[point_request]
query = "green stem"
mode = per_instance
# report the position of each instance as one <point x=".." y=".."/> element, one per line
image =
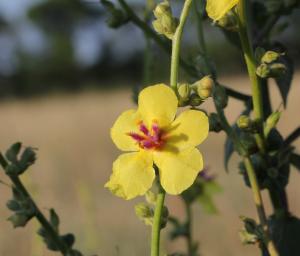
<point x="259" y="205"/>
<point x="164" y="45"/>
<point x="38" y="214"/>
<point x="176" y="43"/>
<point x="251" y="66"/>
<point x="156" y="227"/>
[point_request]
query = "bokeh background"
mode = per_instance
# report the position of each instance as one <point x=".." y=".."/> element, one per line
<point x="64" y="78"/>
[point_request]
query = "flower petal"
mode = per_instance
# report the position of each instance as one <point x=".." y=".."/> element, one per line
<point x="178" y="171"/>
<point x="189" y="129"/>
<point x="133" y="175"/>
<point x="126" y="123"/>
<point x="158" y="103"/>
<point x="216" y="9"/>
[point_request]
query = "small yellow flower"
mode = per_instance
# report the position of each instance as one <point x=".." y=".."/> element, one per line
<point x="152" y="135"/>
<point x="216" y="9"/>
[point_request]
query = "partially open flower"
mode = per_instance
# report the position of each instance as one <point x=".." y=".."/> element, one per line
<point x="152" y="135"/>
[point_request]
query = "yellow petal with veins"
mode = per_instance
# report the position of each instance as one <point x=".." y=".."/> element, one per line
<point x="157" y="103"/>
<point x="216" y="9"/>
<point x="178" y="171"/>
<point x="188" y="130"/>
<point x="133" y="175"/>
<point x="127" y="122"/>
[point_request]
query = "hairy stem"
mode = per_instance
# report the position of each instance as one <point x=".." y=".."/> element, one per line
<point x="156" y="227"/>
<point x="38" y="214"/>
<point x="176" y="43"/>
<point x="259" y="205"/>
<point x="251" y="66"/>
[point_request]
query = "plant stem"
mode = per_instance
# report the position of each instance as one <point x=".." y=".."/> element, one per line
<point x="176" y="43"/>
<point x="38" y="214"/>
<point x="156" y="227"/>
<point x="164" y="45"/>
<point x="259" y="205"/>
<point x="251" y="66"/>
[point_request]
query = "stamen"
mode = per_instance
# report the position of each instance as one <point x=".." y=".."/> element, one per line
<point x="149" y="139"/>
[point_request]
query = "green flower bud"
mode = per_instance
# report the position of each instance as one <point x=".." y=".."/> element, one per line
<point x="117" y="18"/>
<point x="277" y="69"/>
<point x="263" y="70"/>
<point x="270" y="56"/>
<point x="165" y="24"/>
<point x="19" y="220"/>
<point x="229" y="22"/>
<point x="204" y="87"/>
<point x="162" y="9"/>
<point x="271" y="122"/>
<point x="151" y="197"/>
<point x="184" y="91"/>
<point x="220" y="97"/>
<point x="244" y="122"/>
<point x="195" y="100"/>
<point x="142" y="210"/>
<point x="214" y="123"/>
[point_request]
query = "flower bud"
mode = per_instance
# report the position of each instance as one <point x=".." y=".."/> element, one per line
<point x="263" y="70"/>
<point x="165" y="24"/>
<point x="195" y="100"/>
<point x="270" y="56"/>
<point x="229" y="22"/>
<point x="117" y="18"/>
<point x="244" y="122"/>
<point x="184" y="92"/>
<point x="151" y="197"/>
<point x="204" y="87"/>
<point x="142" y="210"/>
<point x="271" y="122"/>
<point x="277" y="69"/>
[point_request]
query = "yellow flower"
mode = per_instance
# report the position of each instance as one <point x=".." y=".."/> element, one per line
<point x="152" y="135"/>
<point x="216" y="9"/>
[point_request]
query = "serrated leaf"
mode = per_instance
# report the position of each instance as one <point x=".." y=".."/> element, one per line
<point x="284" y="82"/>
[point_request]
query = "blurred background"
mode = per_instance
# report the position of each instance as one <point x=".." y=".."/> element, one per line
<point x="64" y="78"/>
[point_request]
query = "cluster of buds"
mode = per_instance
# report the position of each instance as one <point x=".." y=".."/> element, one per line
<point x="164" y="24"/>
<point x="145" y="211"/>
<point x="270" y="65"/>
<point x="195" y="94"/>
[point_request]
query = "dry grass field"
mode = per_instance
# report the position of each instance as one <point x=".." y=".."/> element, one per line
<point x="74" y="161"/>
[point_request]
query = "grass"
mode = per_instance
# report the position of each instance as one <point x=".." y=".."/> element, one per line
<point x="74" y="161"/>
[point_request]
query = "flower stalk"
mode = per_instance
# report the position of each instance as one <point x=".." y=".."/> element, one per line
<point x="256" y="86"/>
<point x="156" y="227"/>
<point x="176" y="43"/>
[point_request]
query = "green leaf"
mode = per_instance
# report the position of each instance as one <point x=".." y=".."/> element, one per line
<point x="12" y="153"/>
<point x="69" y="239"/>
<point x="286" y="234"/>
<point x="284" y="82"/>
<point x="295" y="160"/>
<point x="54" y="219"/>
